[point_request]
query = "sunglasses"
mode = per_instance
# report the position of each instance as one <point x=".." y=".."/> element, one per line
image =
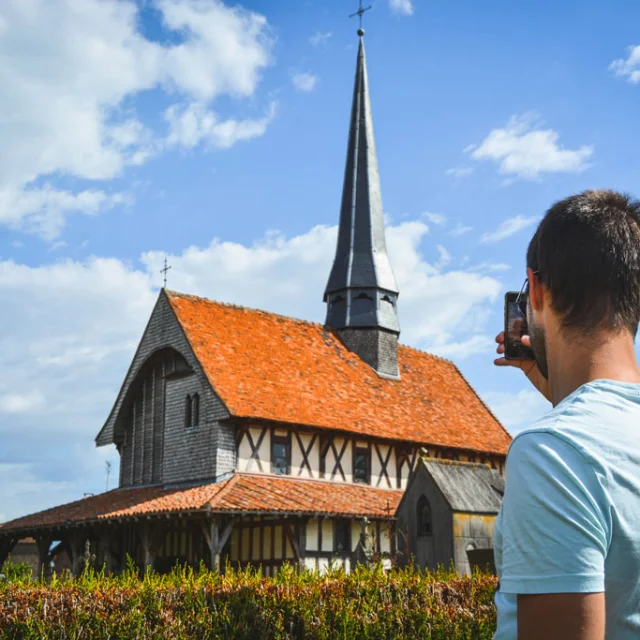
<point x="524" y="292"/>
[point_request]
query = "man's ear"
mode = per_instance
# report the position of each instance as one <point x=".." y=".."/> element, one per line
<point x="536" y="295"/>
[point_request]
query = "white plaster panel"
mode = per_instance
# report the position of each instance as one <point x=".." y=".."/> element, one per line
<point x="311" y="564"/>
<point x="234" y="545"/>
<point x="266" y="544"/>
<point x="278" y="542"/>
<point x="255" y="547"/>
<point x="312" y="535"/>
<point x="327" y="535"/>
<point x="385" y="541"/>
<point x="323" y="565"/>
<point x="356" y="529"/>
<point x="245" y="545"/>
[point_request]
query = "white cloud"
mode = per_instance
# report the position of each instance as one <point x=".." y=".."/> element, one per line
<point x="459" y="172"/>
<point x="402" y="7"/>
<point x="517" y="410"/>
<point x="304" y="81"/>
<point x="69" y="67"/>
<point x="465" y="348"/>
<point x="444" y="258"/>
<point x="43" y="210"/>
<point x="69" y="329"/>
<point x="459" y="230"/>
<point x="507" y="228"/>
<point x="20" y="402"/>
<point x="194" y="123"/>
<point x="523" y="149"/>
<point x="491" y="267"/>
<point x="437" y="218"/>
<point x="320" y="38"/>
<point x="628" y="68"/>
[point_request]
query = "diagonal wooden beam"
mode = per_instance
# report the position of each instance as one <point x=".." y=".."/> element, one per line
<point x="305" y="451"/>
<point x="338" y="456"/>
<point x="384" y="463"/>
<point x="255" y="448"/>
<point x="6" y="547"/>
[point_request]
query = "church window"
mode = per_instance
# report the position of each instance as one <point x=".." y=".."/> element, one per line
<point x="424" y="517"/>
<point x="195" y="410"/>
<point x="280" y="453"/>
<point x="362" y="465"/>
<point x="341" y="536"/>
<point x="188" y="408"/>
<point x="192" y="410"/>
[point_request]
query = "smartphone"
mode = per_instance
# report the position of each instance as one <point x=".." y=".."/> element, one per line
<point x="515" y="326"/>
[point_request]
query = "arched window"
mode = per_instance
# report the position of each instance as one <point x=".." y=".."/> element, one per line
<point x="188" y="408"/>
<point x="195" y="410"/>
<point x="424" y="517"/>
<point x="192" y="410"/>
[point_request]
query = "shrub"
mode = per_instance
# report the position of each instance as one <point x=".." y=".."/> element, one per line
<point x="15" y="571"/>
<point x="367" y="604"/>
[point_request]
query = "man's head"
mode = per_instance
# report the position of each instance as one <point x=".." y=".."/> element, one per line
<point x="585" y="255"/>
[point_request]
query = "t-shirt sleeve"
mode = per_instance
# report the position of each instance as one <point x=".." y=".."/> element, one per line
<point x="554" y="520"/>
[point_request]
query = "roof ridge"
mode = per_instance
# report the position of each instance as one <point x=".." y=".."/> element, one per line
<point x="240" y="307"/>
<point x="457" y="463"/>
<point x="228" y="484"/>
<point x="425" y="353"/>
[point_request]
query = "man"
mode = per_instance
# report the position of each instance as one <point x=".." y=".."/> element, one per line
<point x="567" y="541"/>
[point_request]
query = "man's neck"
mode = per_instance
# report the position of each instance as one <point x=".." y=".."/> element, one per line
<point x="582" y="359"/>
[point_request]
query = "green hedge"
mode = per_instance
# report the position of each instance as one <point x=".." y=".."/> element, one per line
<point x="366" y="604"/>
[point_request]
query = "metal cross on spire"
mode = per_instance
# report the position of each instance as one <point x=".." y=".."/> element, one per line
<point x="166" y="268"/>
<point x="360" y="12"/>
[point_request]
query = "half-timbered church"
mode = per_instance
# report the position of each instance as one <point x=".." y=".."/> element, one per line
<point x="247" y="437"/>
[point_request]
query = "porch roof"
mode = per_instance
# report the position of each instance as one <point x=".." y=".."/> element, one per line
<point x="242" y="493"/>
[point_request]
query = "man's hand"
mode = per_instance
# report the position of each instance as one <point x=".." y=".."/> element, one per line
<point x="529" y="367"/>
<point x="561" y="616"/>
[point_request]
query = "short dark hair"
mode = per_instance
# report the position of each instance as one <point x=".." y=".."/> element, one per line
<point x="586" y="251"/>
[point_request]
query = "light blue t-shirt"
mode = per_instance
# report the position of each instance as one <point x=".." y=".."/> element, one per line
<point x="570" y="517"/>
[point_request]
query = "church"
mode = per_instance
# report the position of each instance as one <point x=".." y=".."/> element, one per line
<point x="249" y="438"/>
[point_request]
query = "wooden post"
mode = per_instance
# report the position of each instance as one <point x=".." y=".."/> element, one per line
<point x="105" y="542"/>
<point x="152" y="538"/>
<point x="75" y="543"/>
<point x="43" y="543"/>
<point x="6" y="547"/>
<point x="216" y="538"/>
<point x="297" y="533"/>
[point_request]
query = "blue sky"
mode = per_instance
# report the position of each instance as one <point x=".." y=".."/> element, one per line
<point x="215" y="134"/>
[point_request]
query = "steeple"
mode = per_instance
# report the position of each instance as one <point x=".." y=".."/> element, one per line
<point x="362" y="292"/>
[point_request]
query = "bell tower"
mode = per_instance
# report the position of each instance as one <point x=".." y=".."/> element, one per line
<point x="362" y="293"/>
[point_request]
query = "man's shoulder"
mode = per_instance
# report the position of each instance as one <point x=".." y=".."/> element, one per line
<point x="594" y="421"/>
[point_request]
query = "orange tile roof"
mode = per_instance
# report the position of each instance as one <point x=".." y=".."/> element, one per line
<point x="276" y="368"/>
<point x="245" y="493"/>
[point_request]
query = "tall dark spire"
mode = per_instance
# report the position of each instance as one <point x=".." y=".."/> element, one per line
<point x="362" y="292"/>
